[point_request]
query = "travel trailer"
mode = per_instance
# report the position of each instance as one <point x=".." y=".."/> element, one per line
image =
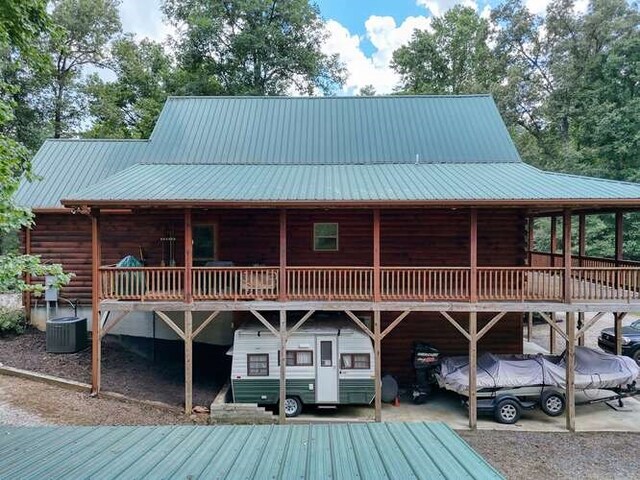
<point x="328" y="363"/>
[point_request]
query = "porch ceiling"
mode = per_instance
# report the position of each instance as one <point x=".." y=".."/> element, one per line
<point x="420" y="183"/>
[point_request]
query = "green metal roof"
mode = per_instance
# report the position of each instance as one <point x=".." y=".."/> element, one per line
<point x="64" y="166"/>
<point x="346" y="183"/>
<point x="366" y="451"/>
<point x="330" y="130"/>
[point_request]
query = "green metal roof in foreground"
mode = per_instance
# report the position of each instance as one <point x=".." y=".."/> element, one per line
<point x="330" y="130"/>
<point x="366" y="451"/>
<point x="347" y="183"/>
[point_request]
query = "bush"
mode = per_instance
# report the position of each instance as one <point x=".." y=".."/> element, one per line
<point x="12" y="320"/>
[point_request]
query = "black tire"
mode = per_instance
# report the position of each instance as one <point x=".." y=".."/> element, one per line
<point x="292" y="406"/>
<point x="636" y="356"/>
<point x="552" y="403"/>
<point x="507" y="411"/>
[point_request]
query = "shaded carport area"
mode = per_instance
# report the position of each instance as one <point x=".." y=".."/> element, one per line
<point x="371" y="451"/>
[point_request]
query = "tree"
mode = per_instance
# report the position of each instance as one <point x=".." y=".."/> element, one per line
<point x="367" y="91"/>
<point x="129" y="106"/>
<point x="252" y="47"/>
<point x="454" y="58"/>
<point x="83" y="30"/>
<point x="20" y="24"/>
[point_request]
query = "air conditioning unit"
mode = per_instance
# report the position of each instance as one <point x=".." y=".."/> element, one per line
<point x="66" y="334"/>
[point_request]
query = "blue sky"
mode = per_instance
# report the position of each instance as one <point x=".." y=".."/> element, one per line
<point x="364" y="33"/>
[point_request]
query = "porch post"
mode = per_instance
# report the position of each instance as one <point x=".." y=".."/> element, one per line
<point x="96" y="334"/>
<point x="566" y="253"/>
<point x="619" y="238"/>
<point x="376" y="255"/>
<point x="188" y="257"/>
<point x="282" y="417"/>
<point x="552" y="333"/>
<point x="377" y="343"/>
<point x="283" y="256"/>
<point x="530" y="242"/>
<point x="582" y="236"/>
<point x="473" y="254"/>
<point x="473" y="365"/>
<point x="618" y="332"/>
<point x="554" y="240"/>
<point x="570" y="392"/>
<point x="27" y="278"/>
<point x="188" y="362"/>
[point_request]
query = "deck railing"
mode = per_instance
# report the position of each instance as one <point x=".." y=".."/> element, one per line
<point x="329" y="283"/>
<point x="421" y="284"/>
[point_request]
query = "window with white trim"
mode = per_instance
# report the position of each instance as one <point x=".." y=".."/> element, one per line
<point x="325" y="237"/>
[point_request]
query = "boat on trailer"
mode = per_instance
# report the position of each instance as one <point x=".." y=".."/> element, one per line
<point x="509" y="384"/>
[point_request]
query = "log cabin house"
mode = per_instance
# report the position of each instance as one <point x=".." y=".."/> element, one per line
<point x="411" y="215"/>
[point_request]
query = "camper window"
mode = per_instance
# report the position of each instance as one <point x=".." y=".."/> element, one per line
<point x="298" y="358"/>
<point x="357" y="361"/>
<point x="257" y="365"/>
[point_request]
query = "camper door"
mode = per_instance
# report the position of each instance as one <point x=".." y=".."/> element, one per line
<point x="327" y="369"/>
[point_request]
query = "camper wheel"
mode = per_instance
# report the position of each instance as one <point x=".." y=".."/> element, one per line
<point x="292" y="406"/>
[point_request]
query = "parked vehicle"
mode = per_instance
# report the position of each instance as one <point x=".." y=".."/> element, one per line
<point x="630" y="340"/>
<point x="426" y="360"/>
<point x="327" y="364"/>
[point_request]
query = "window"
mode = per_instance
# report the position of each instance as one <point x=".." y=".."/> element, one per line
<point x="298" y="358"/>
<point x="326" y="353"/>
<point x="355" y="361"/>
<point x="325" y="237"/>
<point x="204" y="244"/>
<point x="257" y="364"/>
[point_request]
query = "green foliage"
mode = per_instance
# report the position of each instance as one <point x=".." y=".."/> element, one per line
<point x="21" y="23"/>
<point x="129" y="106"/>
<point x="453" y="59"/>
<point x="252" y="47"/>
<point x="81" y="37"/>
<point x="12" y="320"/>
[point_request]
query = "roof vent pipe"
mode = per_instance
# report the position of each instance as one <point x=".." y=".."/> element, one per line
<point x="417" y="158"/>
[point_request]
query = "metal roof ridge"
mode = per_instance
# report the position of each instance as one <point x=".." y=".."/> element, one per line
<point x="329" y="164"/>
<point x="329" y="97"/>
<point x="89" y="140"/>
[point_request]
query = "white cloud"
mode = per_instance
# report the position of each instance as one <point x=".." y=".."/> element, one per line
<point x="386" y="36"/>
<point x="144" y="18"/>
<point x="438" y="7"/>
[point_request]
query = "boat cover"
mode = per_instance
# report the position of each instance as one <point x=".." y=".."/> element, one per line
<point x="594" y="370"/>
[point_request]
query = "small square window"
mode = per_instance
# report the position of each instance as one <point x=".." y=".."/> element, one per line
<point x="355" y="361"/>
<point x="325" y="237"/>
<point x="257" y="365"/>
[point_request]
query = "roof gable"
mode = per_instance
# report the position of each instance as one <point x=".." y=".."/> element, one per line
<point x="330" y="130"/>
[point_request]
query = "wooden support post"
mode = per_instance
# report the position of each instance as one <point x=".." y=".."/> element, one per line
<point x="570" y="393"/>
<point x="283" y="366"/>
<point x="377" y="345"/>
<point x="554" y="240"/>
<point x="473" y="254"/>
<point x="552" y="333"/>
<point x="188" y="257"/>
<point x="376" y="255"/>
<point x="26" y="298"/>
<point x="579" y="327"/>
<point x="188" y="362"/>
<point x="529" y="326"/>
<point x="619" y="251"/>
<point x="582" y="238"/>
<point x="473" y="363"/>
<point x="566" y="254"/>
<point x="530" y="242"/>
<point x="96" y="330"/>
<point x="283" y="256"/>
<point x="618" y="332"/>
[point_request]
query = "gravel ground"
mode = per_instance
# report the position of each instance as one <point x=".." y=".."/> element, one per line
<point x="525" y="455"/>
<point x="25" y="402"/>
<point x="124" y="371"/>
